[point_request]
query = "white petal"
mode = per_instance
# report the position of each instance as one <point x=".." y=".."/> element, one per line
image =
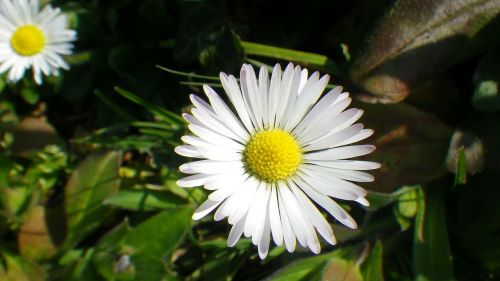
<point x="205" y="208"/>
<point x="233" y="91"/>
<point x="317" y="219"/>
<point x="225" y="114"/>
<point x="329" y="205"/>
<point x="235" y="233"/>
<point x="274" y="218"/>
<point x="340" y="153"/>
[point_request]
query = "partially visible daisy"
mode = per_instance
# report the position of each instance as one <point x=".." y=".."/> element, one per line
<point x="275" y="155"/>
<point x="30" y="38"/>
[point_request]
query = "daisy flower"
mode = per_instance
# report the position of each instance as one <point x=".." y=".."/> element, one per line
<point x="30" y="38"/>
<point x="274" y="155"/>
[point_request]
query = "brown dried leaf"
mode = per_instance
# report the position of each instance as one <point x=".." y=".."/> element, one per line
<point x="417" y="40"/>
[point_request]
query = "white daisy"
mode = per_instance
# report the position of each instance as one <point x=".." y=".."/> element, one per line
<point x="276" y="157"/>
<point x="32" y="38"/>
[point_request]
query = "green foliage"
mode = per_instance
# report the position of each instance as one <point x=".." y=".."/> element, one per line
<point x="88" y="175"/>
<point x="95" y="179"/>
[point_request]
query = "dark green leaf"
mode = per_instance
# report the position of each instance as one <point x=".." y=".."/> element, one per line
<point x="171" y="118"/>
<point x="95" y="179"/>
<point x="432" y="258"/>
<point x="200" y="22"/>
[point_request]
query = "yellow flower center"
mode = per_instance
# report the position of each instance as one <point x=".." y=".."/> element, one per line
<point x="27" y="40"/>
<point x="272" y="155"/>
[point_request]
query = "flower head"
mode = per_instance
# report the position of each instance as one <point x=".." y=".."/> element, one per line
<point x="30" y="38"/>
<point x="276" y="155"/>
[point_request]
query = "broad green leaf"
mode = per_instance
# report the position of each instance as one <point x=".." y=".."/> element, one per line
<point x="417" y="40"/>
<point x="411" y="145"/>
<point x="160" y="234"/>
<point x="155" y="238"/>
<point x="487" y="83"/>
<point x="372" y="268"/>
<point x="41" y="234"/>
<point x="95" y="179"/>
<point x="144" y="200"/>
<point x="432" y="258"/>
<point x="148" y="268"/>
<point x="108" y="248"/>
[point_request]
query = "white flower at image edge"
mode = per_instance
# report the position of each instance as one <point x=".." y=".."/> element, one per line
<point x="276" y="157"/>
<point x="30" y="38"/>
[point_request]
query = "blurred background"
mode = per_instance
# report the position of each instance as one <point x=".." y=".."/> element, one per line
<point x="87" y="169"/>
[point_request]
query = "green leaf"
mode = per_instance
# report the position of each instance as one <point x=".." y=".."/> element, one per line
<point x="124" y="250"/>
<point x="371" y="268"/>
<point x="319" y="61"/>
<point x="171" y="118"/>
<point x="95" y="179"/>
<point x="461" y="171"/>
<point x="160" y="234"/>
<point x="432" y="258"/>
<point x="144" y="200"/>
<point x="487" y="83"/>
<point x="416" y="41"/>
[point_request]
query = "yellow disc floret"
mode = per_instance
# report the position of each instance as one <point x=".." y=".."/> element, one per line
<point x="27" y="40"/>
<point x="272" y="155"/>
